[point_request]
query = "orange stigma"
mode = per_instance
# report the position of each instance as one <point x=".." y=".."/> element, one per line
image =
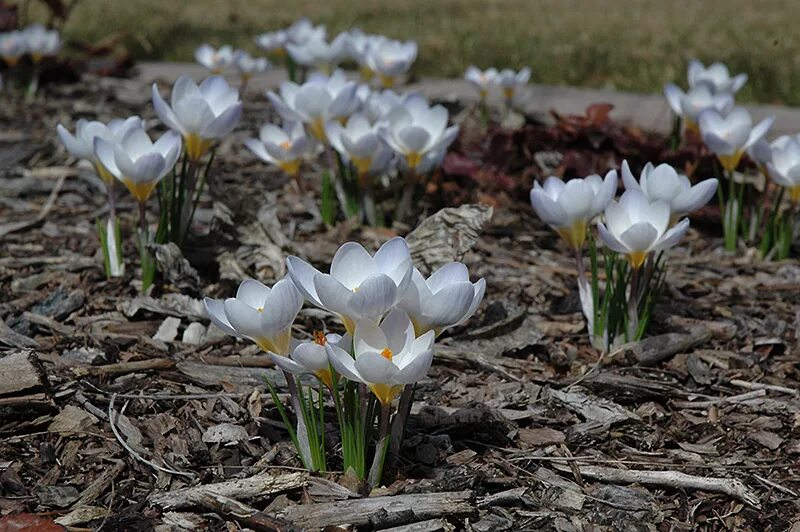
<point x="319" y="338"/>
<point x="387" y="353"/>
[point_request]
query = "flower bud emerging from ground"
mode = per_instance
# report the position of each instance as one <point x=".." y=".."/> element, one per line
<point x="716" y="75"/>
<point x="215" y="60"/>
<point x="663" y="183"/>
<point x="201" y="114"/>
<point x="445" y="299"/>
<point x="81" y="145"/>
<point x="360" y="286"/>
<point x="137" y="161"/>
<point x="261" y="314"/>
<point x="386" y="356"/>
<point x="730" y="136"/>
<point x="570" y="207"/>
<point x="416" y="129"/>
<point x="635" y="226"/>
<point x="390" y="60"/>
<point x="482" y="80"/>
<point x="688" y="105"/>
<point x="784" y="166"/>
<point x="312" y="357"/>
<point x="284" y="147"/>
<point x="360" y="142"/>
<point x="317" y="101"/>
<point x="511" y="82"/>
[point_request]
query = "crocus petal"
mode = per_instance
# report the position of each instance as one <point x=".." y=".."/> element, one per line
<point x="375" y="369"/>
<point x="215" y="310"/>
<point x="343" y="363"/>
<point x="374" y="297"/>
<point x="287" y="364"/>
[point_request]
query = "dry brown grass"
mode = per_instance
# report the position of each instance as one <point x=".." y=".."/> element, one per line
<point x="626" y="44"/>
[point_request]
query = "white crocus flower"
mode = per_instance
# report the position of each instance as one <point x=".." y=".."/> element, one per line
<point x="717" y="75"/>
<point x="284" y="147"/>
<point x="81" y="145"/>
<point x="360" y="143"/>
<point x="359" y="286"/>
<point x="247" y="65"/>
<point x="482" y="80"/>
<point x="390" y="59"/>
<point x="273" y="41"/>
<point x="730" y="136"/>
<point x="570" y="207"/>
<point x="663" y="183"/>
<point x="358" y="45"/>
<point x="318" y="53"/>
<point x="784" y="166"/>
<point x="635" y="227"/>
<point x="312" y="357"/>
<point x="510" y="82"/>
<point x="201" y="114"/>
<point x="387" y="356"/>
<point x="303" y="31"/>
<point x="415" y="129"/>
<point x="379" y="104"/>
<point x="261" y="314"/>
<point x="137" y="161"/>
<point x="215" y="60"/>
<point x="317" y="101"/>
<point x="41" y="42"/>
<point x="13" y="45"/>
<point x="445" y="299"/>
<point x="697" y="99"/>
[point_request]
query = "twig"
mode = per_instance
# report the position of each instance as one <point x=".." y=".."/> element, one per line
<point x="775" y="485"/>
<point x="121" y="440"/>
<point x="713" y="402"/>
<point x="245" y="515"/>
<point x="764" y="386"/>
<point x="123" y="368"/>
<point x="673" y="479"/>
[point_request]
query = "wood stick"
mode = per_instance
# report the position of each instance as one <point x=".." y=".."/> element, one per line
<point x="258" y="486"/>
<point x="245" y="515"/>
<point x="123" y="368"/>
<point x="673" y="479"/>
<point x="382" y="512"/>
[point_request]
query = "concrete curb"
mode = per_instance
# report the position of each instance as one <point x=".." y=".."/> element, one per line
<point x="648" y="111"/>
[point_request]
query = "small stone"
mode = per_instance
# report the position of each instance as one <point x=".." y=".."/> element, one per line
<point x="168" y="330"/>
<point x="86" y="355"/>
<point x="225" y="433"/>
<point x="72" y="419"/>
<point x="194" y="334"/>
<point x="57" y="496"/>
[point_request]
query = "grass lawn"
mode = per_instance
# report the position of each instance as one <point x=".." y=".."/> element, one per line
<point x="626" y="44"/>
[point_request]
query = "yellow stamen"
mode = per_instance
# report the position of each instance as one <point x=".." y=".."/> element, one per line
<point x="729" y="162"/>
<point x="104" y="174"/>
<point x="349" y="324"/>
<point x="216" y="70"/>
<point x="508" y="92"/>
<point x="140" y="191"/>
<point x="11" y="60"/>
<point x="691" y="125"/>
<point x="260" y="309"/>
<point x="413" y="159"/>
<point x="574" y="235"/>
<point x="362" y="164"/>
<point x="483" y="93"/>
<point x="278" y="345"/>
<point x="636" y="259"/>
<point x="794" y="194"/>
<point x="387" y="354"/>
<point x="290" y="167"/>
<point x="387" y="82"/>
<point x="196" y="147"/>
<point x="366" y="73"/>
<point x="325" y="376"/>
<point x="386" y="392"/>
<point x="317" y="127"/>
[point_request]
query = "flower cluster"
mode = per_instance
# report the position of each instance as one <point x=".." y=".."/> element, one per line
<point x="122" y="151"/>
<point x="391" y="314"/>
<point x="648" y="219"/>
<point x="219" y="60"/>
<point x="35" y="41"/>
<point x="509" y="83"/>
<point x="379" y="58"/>
<point x="372" y="134"/>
